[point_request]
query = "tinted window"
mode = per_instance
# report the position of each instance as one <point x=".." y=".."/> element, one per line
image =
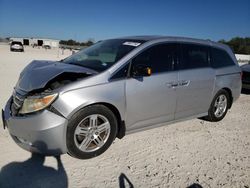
<point x="194" y="56"/>
<point x="220" y="58"/>
<point x="122" y="73"/>
<point x="160" y="58"/>
<point x="15" y="42"/>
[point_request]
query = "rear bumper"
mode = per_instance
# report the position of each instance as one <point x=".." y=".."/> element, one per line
<point x="17" y="49"/>
<point x="43" y="132"/>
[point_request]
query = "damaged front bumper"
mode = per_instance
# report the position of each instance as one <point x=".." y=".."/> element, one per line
<point x="43" y="132"/>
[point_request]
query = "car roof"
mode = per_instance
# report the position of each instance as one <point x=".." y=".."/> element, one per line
<point x="18" y="42"/>
<point x="142" y="37"/>
<point x="175" y="39"/>
<point x="246" y="67"/>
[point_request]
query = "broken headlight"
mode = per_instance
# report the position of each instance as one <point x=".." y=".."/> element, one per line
<point x="34" y="104"/>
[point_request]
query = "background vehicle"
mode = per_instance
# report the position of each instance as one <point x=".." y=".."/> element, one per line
<point x="117" y="87"/>
<point x="46" y="46"/>
<point x="245" y="76"/>
<point x="16" y="46"/>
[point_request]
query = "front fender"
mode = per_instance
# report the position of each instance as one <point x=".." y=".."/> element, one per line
<point x="69" y="102"/>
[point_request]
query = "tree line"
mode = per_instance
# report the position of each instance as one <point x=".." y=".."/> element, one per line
<point x="75" y="43"/>
<point x="239" y="45"/>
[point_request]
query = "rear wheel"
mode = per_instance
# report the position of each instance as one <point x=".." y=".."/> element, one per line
<point x="219" y="106"/>
<point x="91" y="131"/>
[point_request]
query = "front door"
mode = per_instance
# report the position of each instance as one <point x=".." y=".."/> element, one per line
<point x="152" y="100"/>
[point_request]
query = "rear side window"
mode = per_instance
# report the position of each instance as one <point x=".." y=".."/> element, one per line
<point x="160" y="57"/>
<point x="220" y="58"/>
<point x="194" y="56"/>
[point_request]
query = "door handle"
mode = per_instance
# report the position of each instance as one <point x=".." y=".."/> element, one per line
<point x="172" y="84"/>
<point x="184" y="83"/>
<point x="176" y="84"/>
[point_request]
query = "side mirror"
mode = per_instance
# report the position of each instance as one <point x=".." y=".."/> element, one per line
<point x="141" y="70"/>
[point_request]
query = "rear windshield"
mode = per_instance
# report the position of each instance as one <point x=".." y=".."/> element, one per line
<point x="15" y="42"/>
<point x="104" y="54"/>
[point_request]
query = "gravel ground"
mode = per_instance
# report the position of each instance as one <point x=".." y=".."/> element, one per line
<point x="193" y="153"/>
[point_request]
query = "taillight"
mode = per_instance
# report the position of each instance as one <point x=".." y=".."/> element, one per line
<point x="241" y="75"/>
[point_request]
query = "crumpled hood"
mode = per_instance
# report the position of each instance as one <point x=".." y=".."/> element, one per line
<point x="37" y="74"/>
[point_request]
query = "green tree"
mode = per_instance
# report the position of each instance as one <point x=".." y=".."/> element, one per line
<point x="238" y="45"/>
<point x="72" y="42"/>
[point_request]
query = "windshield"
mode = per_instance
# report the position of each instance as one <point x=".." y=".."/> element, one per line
<point x="104" y="54"/>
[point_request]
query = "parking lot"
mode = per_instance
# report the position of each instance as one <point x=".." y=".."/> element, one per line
<point x="184" y="154"/>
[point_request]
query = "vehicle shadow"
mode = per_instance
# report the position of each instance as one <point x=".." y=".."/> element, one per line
<point x="32" y="173"/>
<point x="245" y="91"/>
<point x="195" y="185"/>
<point x="124" y="182"/>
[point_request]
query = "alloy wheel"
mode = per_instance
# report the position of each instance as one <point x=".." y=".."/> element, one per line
<point x="220" y="105"/>
<point x="92" y="133"/>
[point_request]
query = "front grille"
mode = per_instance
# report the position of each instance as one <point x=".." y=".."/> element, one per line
<point x="17" y="102"/>
<point x="246" y="76"/>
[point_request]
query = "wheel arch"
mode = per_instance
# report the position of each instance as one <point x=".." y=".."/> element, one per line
<point x="121" y="123"/>
<point x="230" y="95"/>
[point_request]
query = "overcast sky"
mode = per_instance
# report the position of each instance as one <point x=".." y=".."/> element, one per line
<point x="98" y="19"/>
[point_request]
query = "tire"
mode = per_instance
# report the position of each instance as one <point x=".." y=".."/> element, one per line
<point x="91" y="131"/>
<point x="219" y="106"/>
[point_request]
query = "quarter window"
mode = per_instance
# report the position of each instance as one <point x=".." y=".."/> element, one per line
<point x="220" y="58"/>
<point x="194" y="56"/>
<point x="122" y="73"/>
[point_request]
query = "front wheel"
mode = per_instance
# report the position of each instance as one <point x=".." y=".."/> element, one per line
<point x="91" y="131"/>
<point x="219" y="106"/>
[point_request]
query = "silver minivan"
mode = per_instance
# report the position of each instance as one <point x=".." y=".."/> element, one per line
<point x="116" y="87"/>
